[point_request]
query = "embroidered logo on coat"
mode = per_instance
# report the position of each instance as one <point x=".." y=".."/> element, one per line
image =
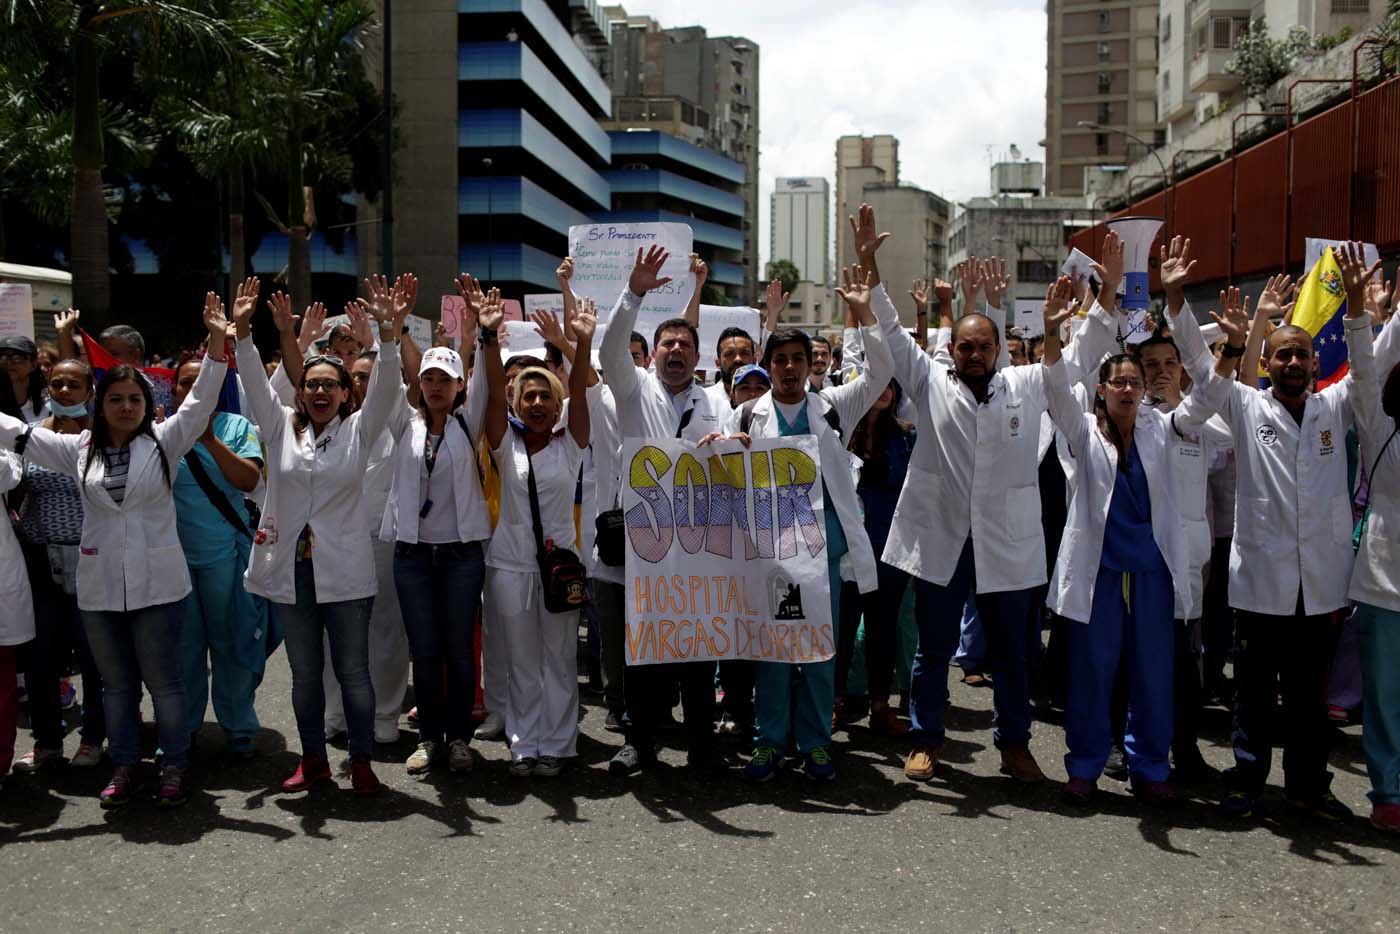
<point x="1266" y="434"/>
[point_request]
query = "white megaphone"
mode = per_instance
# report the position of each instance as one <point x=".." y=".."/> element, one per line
<point x="1137" y="234"/>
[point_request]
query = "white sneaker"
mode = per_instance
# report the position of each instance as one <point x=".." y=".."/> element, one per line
<point x="36" y="758"/>
<point x="625" y="761"/>
<point x="87" y="755"/>
<point x="548" y="767"/>
<point x="422" y="758"/>
<point x="492" y="727"/>
<point x="459" y="756"/>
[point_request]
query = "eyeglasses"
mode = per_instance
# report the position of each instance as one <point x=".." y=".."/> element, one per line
<point x="322" y="385"/>
<point x="1125" y="382"/>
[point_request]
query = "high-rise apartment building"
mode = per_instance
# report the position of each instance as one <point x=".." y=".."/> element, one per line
<point x="702" y="90"/>
<point x="1101" y="79"/>
<point x="800" y="226"/>
<point x="860" y="160"/>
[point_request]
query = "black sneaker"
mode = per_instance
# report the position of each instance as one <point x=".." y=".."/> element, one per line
<point x="1116" y="767"/>
<point x="1325" y="806"/>
<point x="1237" y="804"/>
<point x="612" y="723"/>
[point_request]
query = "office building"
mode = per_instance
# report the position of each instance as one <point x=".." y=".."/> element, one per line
<point x="800" y="226"/>
<point x="860" y="160"/>
<point x="1101" y="70"/>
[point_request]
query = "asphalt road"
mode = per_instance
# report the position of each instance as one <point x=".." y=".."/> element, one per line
<point x="969" y="851"/>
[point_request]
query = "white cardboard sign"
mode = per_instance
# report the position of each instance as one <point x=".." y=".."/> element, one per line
<point x="604" y="255"/>
<point x="16" y="309"/>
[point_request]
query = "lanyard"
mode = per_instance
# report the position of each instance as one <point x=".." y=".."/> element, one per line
<point x="430" y="450"/>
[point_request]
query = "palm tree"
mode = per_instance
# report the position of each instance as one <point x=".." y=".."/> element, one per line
<point x="153" y="33"/>
<point x="310" y="52"/>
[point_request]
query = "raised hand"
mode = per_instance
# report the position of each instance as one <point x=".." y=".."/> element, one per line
<point x="358" y="313"/>
<point x="245" y="299"/>
<point x="381" y="299"/>
<point x="646" y="274"/>
<point x="547" y="326"/>
<point x="1234" y="322"/>
<point x="1272" y="299"/>
<point x="493" y="312"/>
<point x="472" y="295"/>
<point x="1378" y="295"/>
<point x="65" y="322"/>
<point x="864" y="232"/>
<point x="405" y="295"/>
<point x="1176" y="266"/>
<point x="313" y="326"/>
<point x="565" y="272"/>
<point x="774" y="301"/>
<point x="216" y="322"/>
<point x="280" y="304"/>
<point x="856" y="293"/>
<point x="994" y="281"/>
<point x="919" y="293"/>
<point x="440" y="338"/>
<point x="584" y="323"/>
<point x="970" y="278"/>
<point x="943" y="292"/>
<point x="1355" y="274"/>
<point x="1058" y="310"/>
<point x="699" y="269"/>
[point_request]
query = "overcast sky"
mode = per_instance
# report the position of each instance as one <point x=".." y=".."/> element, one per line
<point x="948" y="78"/>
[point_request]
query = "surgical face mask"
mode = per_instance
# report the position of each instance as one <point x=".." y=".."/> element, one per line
<point x="68" y="411"/>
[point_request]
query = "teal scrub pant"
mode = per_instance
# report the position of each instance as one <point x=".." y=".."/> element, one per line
<point x="1378" y="635"/>
<point x="800" y="696"/>
<point x="225" y="626"/>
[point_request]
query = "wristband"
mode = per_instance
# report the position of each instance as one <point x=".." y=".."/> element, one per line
<point x="1230" y="350"/>
<point x="486" y="336"/>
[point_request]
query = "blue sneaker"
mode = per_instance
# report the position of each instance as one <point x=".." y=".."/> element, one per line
<point x="819" y="765"/>
<point x="1237" y="804"/>
<point x="764" y="764"/>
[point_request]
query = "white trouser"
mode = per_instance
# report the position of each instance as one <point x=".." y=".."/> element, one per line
<point x="495" y="651"/>
<point x="388" y="656"/>
<point x="541" y="707"/>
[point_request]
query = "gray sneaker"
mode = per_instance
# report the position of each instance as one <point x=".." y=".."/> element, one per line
<point x="548" y="767"/>
<point x="459" y="756"/>
<point x="523" y="767"/>
<point x="625" y="761"/>
<point x="422" y="758"/>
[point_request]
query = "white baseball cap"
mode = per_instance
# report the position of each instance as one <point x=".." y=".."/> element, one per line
<point x="442" y="358"/>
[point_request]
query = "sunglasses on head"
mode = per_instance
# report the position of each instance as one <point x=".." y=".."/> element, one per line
<point x="314" y="359"/>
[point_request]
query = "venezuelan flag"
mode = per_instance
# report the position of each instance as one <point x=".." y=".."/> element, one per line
<point x="1322" y="304"/>
<point x="162" y="379"/>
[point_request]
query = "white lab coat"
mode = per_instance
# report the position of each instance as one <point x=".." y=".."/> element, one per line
<point x="130" y="555"/>
<point x="1081" y="548"/>
<point x="606" y="444"/>
<point x="17" y="621"/>
<point x="1375" y="579"/>
<point x="851" y="401"/>
<point x="1292" y="508"/>
<point x="406" y="425"/>
<point x="316" y="481"/>
<point x="974" y="470"/>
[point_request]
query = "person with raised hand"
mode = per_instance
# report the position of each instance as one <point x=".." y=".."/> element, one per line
<point x="1291" y="558"/>
<point x="970" y="281"/>
<point x="539" y="462"/>
<point x="1270" y="304"/>
<point x="994" y="286"/>
<point x="1122" y="567"/>
<point x="312" y="554"/>
<point x="437" y="518"/>
<point x="132" y="580"/>
<point x="972" y="481"/>
<point x="661" y="403"/>
<point x="1375" y="579"/>
<point x="791" y="700"/>
<point x="775" y="300"/>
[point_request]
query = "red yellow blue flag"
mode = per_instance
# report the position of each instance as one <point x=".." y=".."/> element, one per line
<point x="1322" y="303"/>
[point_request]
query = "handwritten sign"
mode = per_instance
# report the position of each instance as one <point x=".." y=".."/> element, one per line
<point x="16" y="310"/>
<point x="1030" y="317"/>
<point x="521" y="337"/>
<point x="604" y="255"/>
<point x="714" y="319"/>
<point x="421" y="330"/>
<point x="1079" y="266"/>
<point x="726" y="552"/>
<point x="551" y="303"/>
<point x="453" y="308"/>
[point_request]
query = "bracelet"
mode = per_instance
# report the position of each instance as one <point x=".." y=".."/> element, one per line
<point x="486" y="336"/>
<point x="1230" y="350"/>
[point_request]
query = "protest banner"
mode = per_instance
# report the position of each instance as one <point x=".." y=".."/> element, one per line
<point x="726" y="552"/>
<point x="1030" y="317"/>
<point x="715" y="318"/>
<point x="552" y="303"/>
<point x="16" y="310"/>
<point x="453" y="307"/>
<point x="1079" y="266"/>
<point x="604" y="254"/>
<point x="420" y="329"/>
<point x="511" y="310"/>
<point x="520" y="337"/>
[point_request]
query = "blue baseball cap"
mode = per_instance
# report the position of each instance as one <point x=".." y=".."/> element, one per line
<point x="750" y="369"/>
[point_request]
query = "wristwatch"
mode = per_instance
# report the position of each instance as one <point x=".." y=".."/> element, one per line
<point x="1230" y="350"/>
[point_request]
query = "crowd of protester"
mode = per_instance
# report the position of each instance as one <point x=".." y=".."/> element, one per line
<point x="384" y="511"/>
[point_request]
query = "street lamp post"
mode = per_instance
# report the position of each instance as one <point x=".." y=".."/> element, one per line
<point x="490" y="235"/>
<point x="1166" y="176"/>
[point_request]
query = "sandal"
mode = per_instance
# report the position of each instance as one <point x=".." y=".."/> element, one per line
<point x="976" y="679"/>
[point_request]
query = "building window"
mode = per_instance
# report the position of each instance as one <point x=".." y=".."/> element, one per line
<point x="1105" y="20"/>
<point x="1105" y="52"/>
<point x="1159" y="137"/>
<point x="1351" y="6"/>
<point x="1200" y="45"/>
<point x="1105" y="113"/>
<point x="1226" y="31"/>
<point x="1166" y="27"/>
<point x="1105" y="81"/>
<point x="1035" y="270"/>
<point x="1166" y="81"/>
<point x="1101" y="143"/>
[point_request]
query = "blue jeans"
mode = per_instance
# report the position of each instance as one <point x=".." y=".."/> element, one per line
<point x="346" y="623"/>
<point x="439" y="589"/>
<point x="1139" y="636"/>
<point x="972" y="642"/>
<point x="799" y="695"/>
<point x="939" y="611"/>
<point x="131" y="647"/>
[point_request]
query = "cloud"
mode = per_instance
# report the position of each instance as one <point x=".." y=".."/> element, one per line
<point x="952" y="81"/>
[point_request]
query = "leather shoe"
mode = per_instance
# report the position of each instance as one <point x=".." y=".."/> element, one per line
<point x="922" y="759"/>
<point x="1018" y="762"/>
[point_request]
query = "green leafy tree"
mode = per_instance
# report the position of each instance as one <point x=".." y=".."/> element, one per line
<point x="1260" y="61"/>
<point x="785" y="271"/>
<point x="74" y="38"/>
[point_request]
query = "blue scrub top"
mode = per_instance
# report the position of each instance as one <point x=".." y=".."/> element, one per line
<point x="836" y="545"/>
<point x="1128" y="544"/>
<point x="205" y="535"/>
